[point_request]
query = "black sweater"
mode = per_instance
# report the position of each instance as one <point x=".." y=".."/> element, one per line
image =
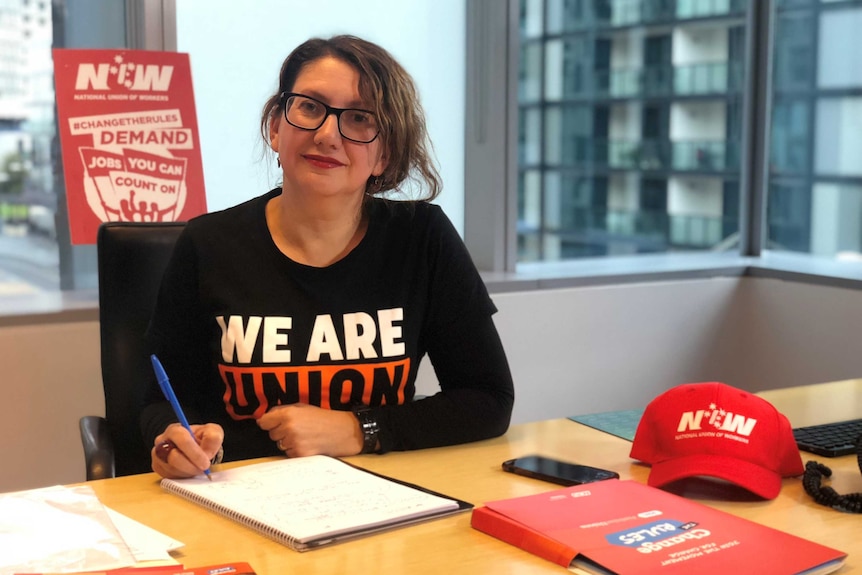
<point x="241" y="328"/>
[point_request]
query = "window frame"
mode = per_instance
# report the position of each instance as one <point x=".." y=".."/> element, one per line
<point x="491" y="134"/>
<point x="149" y="25"/>
<point x="491" y="173"/>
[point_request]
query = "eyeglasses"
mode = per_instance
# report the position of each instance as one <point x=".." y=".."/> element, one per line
<point x="306" y="113"/>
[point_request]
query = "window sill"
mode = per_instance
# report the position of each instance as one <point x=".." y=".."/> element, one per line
<point x="83" y="305"/>
<point x="49" y="307"/>
<point x="664" y="267"/>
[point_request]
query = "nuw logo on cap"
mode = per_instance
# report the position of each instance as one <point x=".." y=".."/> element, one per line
<point x="717" y="418"/>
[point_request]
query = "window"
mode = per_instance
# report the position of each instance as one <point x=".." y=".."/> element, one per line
<point x="815" y="173"/>
<point x="595" y="128"/>
<point x="29" y="255"/>
<point x="38" y="264"/>
<point x="677" y="126"/>
<point x="236" y="164"/>
<point x="631" y="127"/>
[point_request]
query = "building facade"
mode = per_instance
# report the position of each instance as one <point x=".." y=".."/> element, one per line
<point x="631" y="126"/>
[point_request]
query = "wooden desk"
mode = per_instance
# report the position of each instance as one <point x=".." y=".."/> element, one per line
<point x="472" y="472"/>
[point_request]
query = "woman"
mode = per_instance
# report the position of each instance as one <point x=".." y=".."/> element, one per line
<point x="295" y="322"/>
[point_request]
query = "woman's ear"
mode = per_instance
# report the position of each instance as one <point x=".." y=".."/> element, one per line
<point x="273" y="132"/>
<point x="380" y="166"/>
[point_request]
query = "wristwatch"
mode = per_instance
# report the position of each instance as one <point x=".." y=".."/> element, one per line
<point x="218" y="457"/>
<point x="368" y="426"/>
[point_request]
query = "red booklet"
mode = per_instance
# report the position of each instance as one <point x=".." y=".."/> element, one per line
<point x="627" y="528"/>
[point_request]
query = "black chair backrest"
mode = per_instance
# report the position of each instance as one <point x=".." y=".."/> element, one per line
<point x="131" y="260"/>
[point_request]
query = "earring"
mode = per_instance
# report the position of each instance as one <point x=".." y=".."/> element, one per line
<point x="278" y="161"/>
<point x="373" y="186"/>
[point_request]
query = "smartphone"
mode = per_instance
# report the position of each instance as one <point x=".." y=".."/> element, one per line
<point x="555" y="471"/>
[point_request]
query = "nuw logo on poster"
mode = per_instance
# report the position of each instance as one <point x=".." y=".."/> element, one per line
<point x="122" y="74"/>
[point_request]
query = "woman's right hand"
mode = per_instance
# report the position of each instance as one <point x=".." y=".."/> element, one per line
<point x="176" y="454"/>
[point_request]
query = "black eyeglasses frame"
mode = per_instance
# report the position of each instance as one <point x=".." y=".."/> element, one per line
<point x="285" y="96"/>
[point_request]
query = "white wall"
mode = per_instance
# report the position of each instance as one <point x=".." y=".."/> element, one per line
<point x="52" y="378"/>
<point x="584" y="350"/>
<point x="236" y="56"/>
<point x="571" y="351"/>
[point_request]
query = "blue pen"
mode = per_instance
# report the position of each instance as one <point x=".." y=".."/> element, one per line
<point x="165" y="384"/>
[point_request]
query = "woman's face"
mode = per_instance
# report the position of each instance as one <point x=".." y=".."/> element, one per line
<point x="320" y="161"/>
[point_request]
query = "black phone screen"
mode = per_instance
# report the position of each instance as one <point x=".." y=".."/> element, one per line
<point x="556" y="471"/>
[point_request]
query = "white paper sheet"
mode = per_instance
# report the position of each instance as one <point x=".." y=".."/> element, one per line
<point x="58" y="529"/>
<point x="145" y="543"/>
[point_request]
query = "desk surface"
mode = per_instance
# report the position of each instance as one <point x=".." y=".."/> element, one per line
<point x="472" y="472"/>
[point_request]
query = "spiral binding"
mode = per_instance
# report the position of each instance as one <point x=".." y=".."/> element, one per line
<point x="268" y="531"/>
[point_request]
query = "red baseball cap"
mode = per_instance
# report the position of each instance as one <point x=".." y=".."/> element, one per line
<point x="715" y="430"/>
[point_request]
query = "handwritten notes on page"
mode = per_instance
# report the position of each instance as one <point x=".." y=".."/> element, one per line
<point x="297" y="501"/>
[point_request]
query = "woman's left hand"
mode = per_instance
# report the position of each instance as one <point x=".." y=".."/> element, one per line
<point x="300" y="429"/>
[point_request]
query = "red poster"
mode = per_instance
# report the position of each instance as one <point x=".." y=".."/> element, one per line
<point x="129" y="135"/>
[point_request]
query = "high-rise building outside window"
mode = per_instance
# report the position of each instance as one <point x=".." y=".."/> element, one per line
<point x="630" y="131"/>
<point x="630" y="126"/>
<point x="815" y="170"/>
<point x="29" y="259"/>
<point x="39" y="266"/>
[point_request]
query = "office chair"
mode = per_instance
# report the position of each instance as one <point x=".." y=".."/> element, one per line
<point x="131" y="260"/>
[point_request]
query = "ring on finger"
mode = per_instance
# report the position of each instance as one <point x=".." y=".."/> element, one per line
<point x="280" y="445"/>
<point x="163" y="449"/>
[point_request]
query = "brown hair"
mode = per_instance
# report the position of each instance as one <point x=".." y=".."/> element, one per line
<point x="390" y="90"/>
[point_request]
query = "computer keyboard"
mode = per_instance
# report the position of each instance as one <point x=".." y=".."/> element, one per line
<point x="829" y="439"/>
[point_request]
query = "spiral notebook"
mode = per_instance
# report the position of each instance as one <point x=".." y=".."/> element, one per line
<point x="311" y="502"/>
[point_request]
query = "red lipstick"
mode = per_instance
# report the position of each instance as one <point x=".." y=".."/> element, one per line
<point x="322" y="161"/>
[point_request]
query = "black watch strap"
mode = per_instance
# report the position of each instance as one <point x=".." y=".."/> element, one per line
<point x="218" y="457"/>
<point x="368" y="426"/>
